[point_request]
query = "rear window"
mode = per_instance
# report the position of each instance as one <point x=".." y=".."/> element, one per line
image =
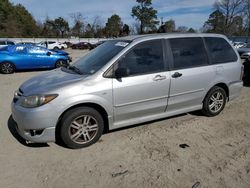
<point x="220" y="50"/>
<point x="188" y="52"/>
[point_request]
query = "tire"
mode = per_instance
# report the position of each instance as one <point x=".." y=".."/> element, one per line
<point x="56" y="48"/>
<point x="214" y="102"/>
<point x="62" y="48"/>
<point x="81" y="127"/>
<point x="61" y="63"/>
<point x="7" y="68"/>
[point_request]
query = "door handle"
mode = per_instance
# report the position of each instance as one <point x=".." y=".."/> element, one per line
<point x="159" y="77"/>
<point x="176" y="75"/>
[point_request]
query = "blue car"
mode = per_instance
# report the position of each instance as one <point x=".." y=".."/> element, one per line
<point x="24" y="57"/>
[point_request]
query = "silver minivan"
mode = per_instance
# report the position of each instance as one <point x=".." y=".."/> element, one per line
<point x="128" y="81"/>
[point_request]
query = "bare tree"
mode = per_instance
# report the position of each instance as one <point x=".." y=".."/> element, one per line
<point x="78" y="27"/>
<point x="247" y="16"/>
<point x="230" y="9"/>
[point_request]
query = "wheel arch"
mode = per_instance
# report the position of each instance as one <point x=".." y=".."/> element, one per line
<point x="221" y="85"/>
<point x="7" y="61"/>
<point x="95" y="106"/>
<point x="59" y="59"/>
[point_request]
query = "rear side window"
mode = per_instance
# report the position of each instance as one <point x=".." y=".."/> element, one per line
<point x="188" y="52"/>
<point x="2" y="43"/>
<point x="144" y="58"/>
<point x="220" y="51"/>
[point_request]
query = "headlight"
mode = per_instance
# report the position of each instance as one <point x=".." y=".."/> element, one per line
<point x="37" y="100"/>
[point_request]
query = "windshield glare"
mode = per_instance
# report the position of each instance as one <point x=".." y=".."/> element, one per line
<point x="100" y="56"/>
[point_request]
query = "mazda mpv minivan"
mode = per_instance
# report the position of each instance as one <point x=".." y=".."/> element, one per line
<point x="128" y="81"/>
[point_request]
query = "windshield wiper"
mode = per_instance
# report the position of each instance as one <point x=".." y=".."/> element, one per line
<point x="75" y="69"/>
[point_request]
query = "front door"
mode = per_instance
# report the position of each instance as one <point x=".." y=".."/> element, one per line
<point x="143" y="91"/>
<point x="40" y="57"/>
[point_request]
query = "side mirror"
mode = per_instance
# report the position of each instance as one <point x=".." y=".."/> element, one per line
<point x="48" y="53"/>
<point x="121" y="72"/>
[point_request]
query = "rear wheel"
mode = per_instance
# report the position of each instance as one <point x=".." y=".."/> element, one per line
<point x="7" y="68"/>
<point x="61" y="63"/>
<point x="81" y="127"/>
<point x="214" y="102"/>
<point x="56" y="48"/>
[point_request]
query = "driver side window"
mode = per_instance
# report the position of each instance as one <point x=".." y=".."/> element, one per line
<point x="144" y="58"/>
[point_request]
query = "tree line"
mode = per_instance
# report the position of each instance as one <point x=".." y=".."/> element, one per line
<point x="229" y="17"/>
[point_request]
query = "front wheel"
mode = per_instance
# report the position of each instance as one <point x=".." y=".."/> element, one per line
<point x="214" y="102"/>
<point x="7" y="68"/>
<point x="61" y="63"/>
<point x="81" y="127"/>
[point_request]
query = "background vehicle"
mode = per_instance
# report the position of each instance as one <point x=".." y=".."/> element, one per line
<point x="129" y="81"/>
<point x="244" y="51"/>
<point x="52" y="45"/>
<point x="82" y="46"/>
<point x="22" y="57"/>
<point x="96" y="44"/>
<point x="238" y="44"/>
<point x="68" y="44"/>
<point x="26" y="43"/>
<point x="4" y="43"/>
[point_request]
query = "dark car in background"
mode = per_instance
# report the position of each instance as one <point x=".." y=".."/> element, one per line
<point x="97" y="44"/>
<point x="23" y="57"/>
<point x="82" y="46"/>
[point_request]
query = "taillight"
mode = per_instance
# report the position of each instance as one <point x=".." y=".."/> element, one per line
<point x="242" y="73"/>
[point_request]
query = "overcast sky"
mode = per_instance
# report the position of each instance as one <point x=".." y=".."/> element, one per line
<point x="190" y="13"/>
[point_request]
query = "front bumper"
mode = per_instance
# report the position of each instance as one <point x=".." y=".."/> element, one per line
<point x="35" y="124"/>
<point x="69" y="59"/>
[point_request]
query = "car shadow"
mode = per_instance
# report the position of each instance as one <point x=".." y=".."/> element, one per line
<point x="13" y="131"/>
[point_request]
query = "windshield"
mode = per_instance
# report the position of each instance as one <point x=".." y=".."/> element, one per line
<point x="100" y="56"/>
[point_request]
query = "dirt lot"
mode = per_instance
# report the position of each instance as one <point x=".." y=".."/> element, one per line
<point x="142" y="156"/>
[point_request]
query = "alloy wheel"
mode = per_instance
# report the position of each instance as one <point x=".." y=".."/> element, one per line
<point x="7" y="68"/>
<point x="216" y="102"/>
<point x="83" y="129"/>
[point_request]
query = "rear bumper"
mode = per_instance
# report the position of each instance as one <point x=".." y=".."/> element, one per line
<point x="235" y="89"/>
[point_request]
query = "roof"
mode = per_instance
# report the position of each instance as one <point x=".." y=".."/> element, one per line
<point x="169" y="35"/>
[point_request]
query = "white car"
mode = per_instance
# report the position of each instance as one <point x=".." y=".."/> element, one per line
<point x="52" y="45"/>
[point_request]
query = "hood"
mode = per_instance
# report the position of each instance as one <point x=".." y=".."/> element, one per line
<point x="59" y="52"/>
<point x="48" y="81"/>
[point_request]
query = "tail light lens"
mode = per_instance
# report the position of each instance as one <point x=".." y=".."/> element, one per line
<point x="242" y="73"/>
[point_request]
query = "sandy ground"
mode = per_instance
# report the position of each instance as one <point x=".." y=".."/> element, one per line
<point x="141" y="156"/>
